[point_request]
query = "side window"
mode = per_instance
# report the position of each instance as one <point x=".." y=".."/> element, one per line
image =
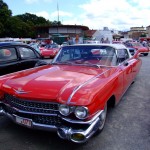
<point x="8" y="54"/>
<point x="26" y="53"/>
<point x="77" y="54"/>
<point x="126" y="54"/>
<point x="122" y="55"/>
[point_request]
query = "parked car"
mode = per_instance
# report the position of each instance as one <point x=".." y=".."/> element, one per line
<point x="15" y="56"/>
<point x="72" y="94"/>
<point x="50" y="50"/>
<point x="137" y="46"/>
<point x="36" y="46"/>
<point x="131" y="49"/>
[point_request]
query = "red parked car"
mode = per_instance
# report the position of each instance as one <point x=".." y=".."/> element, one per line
<point x="72" y="94"/>
<point x="50" y="50"/>
<point x="138" y="46"/>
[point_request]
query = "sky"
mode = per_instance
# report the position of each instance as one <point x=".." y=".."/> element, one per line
<point x="96" y="14"/>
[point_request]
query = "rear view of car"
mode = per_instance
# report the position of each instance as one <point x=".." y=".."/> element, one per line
<point x="50" y="50"/>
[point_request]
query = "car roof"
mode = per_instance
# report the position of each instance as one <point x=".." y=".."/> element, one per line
<point x="11" y="43"/>
<point x="116" y="46"/>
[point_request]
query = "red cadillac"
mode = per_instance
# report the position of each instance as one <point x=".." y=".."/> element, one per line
<point x="138" y="46"/>
<point x="50" y="50"/>
<point x="71" y="95"/>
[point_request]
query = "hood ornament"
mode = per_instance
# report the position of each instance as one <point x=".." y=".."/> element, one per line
<point x="20" y="91"/>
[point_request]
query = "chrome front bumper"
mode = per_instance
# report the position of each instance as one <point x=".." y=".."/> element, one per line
<point x="80" y="135"/>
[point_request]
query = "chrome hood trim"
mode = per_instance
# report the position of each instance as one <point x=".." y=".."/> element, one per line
<point x="20" y="91"/>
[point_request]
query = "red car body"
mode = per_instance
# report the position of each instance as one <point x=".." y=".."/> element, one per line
<point x="138" y="46"/>
<point x="50" y="50"/>
<point x="70" y="97"/>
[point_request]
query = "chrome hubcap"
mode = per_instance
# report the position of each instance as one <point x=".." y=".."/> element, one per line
<point x="103" y="118"/>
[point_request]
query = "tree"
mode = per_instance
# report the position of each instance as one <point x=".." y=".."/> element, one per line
<point x="27" y="17"/>
<point x="20" y="25"/>
<point x="56" y="23"/>
<point x="18" y="28"/>
<point x="5" y="14"/>
<point x="143" y="35"/>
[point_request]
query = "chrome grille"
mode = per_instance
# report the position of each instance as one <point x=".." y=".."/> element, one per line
<point x="42" y="119"/>
<point x="31" y="106"/>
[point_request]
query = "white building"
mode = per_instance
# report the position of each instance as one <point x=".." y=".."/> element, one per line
<point x="100" y="35"/>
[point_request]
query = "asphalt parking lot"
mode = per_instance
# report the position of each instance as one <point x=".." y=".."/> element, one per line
<point x="127" y="125"/>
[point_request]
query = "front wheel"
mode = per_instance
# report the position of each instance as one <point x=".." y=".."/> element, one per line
<point x="102" y="120"/>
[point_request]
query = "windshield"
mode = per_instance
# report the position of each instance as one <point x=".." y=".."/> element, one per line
<point x="136" y="44"/>
<point x="86" y="55"/>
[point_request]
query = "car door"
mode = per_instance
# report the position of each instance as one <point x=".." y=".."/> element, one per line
<point x="28" y="57"/>
<point x="8" y="60"/>
<point x="126" y="66"/>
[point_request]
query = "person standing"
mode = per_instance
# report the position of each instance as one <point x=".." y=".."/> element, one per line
<point x="77" y="40"/>
<point x="107" y="40"/>
<point x="69" y="41"/>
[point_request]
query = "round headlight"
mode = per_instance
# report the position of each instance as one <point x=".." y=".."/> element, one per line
<point x="64" y="110"/>
<point x="81" y="112"/>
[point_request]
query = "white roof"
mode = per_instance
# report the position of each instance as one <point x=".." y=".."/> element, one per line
<point x="116" y="46"/>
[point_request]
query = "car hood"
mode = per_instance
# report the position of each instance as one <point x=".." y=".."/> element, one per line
<point x="52" y="83"/>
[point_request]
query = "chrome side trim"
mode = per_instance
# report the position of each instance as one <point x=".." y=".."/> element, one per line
<point x="83" y="84"/>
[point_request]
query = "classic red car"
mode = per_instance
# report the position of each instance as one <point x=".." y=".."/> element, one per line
<point x="71" y="95"/>
<point x="50" y="50"/>
<point x="137" y="46"/>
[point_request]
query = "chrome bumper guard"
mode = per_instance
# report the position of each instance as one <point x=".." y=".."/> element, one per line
<point x="1" y="110"/>
<point x="74" y="135"/>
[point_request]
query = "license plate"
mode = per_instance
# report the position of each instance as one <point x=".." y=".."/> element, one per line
<point x="24" y="121"/>
<point x="46" y="56"/>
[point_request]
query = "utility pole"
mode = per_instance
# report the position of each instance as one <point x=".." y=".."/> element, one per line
<point x="58" y="16"/>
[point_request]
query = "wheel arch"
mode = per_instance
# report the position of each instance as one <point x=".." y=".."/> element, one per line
<point x="111" y="101"/>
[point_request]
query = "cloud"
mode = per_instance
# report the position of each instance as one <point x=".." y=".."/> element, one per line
<point x="37" y="1"/>
<point x="31" y="1"/>
<point x="52" y="16"/>
<point x="116" y="14"/>
<point x="61" y="13"/>
<point x="121" y="14"/>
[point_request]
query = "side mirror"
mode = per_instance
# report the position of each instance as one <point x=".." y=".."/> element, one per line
<point x="125" y="63"/>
